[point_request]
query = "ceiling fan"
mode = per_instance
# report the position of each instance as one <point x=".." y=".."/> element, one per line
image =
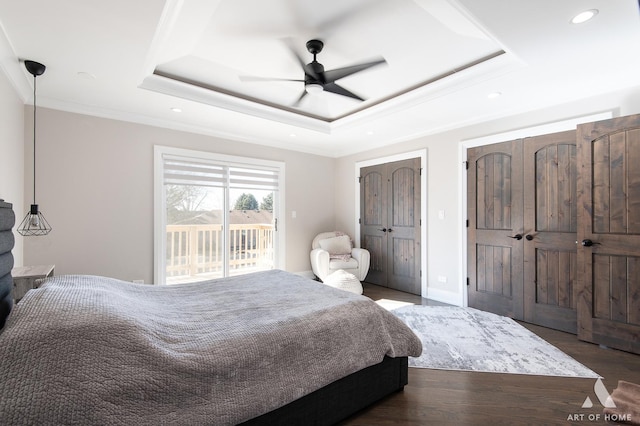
<point x="316" y="79"/>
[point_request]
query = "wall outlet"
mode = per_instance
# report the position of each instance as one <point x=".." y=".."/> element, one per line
<point x="442" y="279"/>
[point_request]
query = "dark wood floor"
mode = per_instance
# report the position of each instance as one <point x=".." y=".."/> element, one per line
<point x="463" y="398"/>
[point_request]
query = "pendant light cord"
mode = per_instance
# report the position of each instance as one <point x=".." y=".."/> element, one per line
<point x="34" y="139"/>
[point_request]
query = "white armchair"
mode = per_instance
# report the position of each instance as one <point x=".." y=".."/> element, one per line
<point x="332" y="251"/>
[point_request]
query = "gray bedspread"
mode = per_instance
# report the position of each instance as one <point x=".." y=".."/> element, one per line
<point x="93" y="350"/>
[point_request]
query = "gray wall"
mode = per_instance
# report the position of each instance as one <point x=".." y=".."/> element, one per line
<point x="12" y="156"/>
<point x="445" y="255"/>
<point x="95" y="187"/>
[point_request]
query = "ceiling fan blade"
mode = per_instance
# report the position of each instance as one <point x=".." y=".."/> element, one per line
<point x="297" y="102"/>
<point x="249" y="78"/>
<point x="333" y="75"/>
<point x="334" y="88"/>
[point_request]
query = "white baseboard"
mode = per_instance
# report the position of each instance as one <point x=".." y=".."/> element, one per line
<point x="444" y="296"/>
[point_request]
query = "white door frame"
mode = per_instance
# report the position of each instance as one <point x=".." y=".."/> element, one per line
<point x="422" y="154"/>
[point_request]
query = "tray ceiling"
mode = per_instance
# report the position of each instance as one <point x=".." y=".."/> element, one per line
<point x="242" y="42"/>
<point x="146" y="60"/>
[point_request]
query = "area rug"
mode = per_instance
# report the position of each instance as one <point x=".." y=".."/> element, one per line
<point x="455" y="338"/>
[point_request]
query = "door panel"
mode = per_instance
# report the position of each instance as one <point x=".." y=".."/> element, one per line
<point x="390" y="223"/>
<point x="550" y="225"/>
<point x="495" y="256"/>
<point x="609" y="233"/>
<point x="373" y="218"/>
<point x="404" y="227"/>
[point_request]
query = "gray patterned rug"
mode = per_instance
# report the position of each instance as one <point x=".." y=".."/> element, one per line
<point x="455" y="338"/>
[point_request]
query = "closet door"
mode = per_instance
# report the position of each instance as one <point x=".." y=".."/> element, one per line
<point x="390" y="223"/>
<point x="495" y="232"/>
<point x="550" y="226"/>
<point x="609" y="233"/>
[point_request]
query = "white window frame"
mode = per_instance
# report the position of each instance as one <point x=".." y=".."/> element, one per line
<point x="160" y="216"/>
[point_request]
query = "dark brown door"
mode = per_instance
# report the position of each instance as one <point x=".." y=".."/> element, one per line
<point x="609" y="233"/>
<point x="495" y="232"/>
<point x="550" y="226"/>
<point x="390" y="223"/>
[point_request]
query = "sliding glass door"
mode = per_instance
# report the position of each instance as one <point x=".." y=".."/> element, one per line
<point x="216" y="215"/>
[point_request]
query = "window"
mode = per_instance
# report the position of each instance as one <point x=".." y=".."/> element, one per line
<point x="215" y="215"/>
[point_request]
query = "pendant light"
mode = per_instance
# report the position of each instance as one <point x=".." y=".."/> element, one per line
<point x="34" y="223"/>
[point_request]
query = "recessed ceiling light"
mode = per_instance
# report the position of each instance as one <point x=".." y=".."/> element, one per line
<point x="494" y="95"/>
<point x="584" y="16"/>
<point x="370" y="132"/>
<point x="292" y="135"/>
<point x="176" y="109"/>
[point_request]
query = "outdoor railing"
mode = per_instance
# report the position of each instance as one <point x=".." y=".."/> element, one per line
<point x="197" y="250"/>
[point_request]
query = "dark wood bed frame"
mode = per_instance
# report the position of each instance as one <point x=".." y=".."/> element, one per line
<point x="326" y="406"/>
<point x="342" y="398"/>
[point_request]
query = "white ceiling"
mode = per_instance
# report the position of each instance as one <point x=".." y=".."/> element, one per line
<point x="137" y="60"/>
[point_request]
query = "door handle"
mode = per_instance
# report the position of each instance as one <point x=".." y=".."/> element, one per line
<point x="389" y="230"/>
<point x="529" y="237"/>
<point x="587" y="243"/>
<point x="517" y="237"/>
<point x="383" y="229"/>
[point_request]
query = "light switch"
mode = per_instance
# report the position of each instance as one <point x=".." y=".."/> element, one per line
<point x="293" y="214"/>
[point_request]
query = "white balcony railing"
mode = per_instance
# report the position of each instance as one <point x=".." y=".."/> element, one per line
<point x="195" y="252"/>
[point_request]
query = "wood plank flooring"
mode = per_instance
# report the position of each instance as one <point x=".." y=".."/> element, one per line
<point x="465" y="398"/>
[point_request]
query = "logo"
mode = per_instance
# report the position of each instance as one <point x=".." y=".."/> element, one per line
<point x="603" y="396"/>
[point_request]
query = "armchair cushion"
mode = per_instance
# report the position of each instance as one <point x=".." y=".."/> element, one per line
<point x="349" y="263"/>
<point x="338" y="247"/>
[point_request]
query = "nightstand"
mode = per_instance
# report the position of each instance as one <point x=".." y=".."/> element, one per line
<point x="26" y="278"/>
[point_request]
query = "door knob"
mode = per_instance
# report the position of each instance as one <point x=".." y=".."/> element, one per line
<point x="389" y="230"/>
<point x="588" y="243"/>
<point x="529" y="237"/>
<point x="517" y="237"/>
<point x="383" y="229"/>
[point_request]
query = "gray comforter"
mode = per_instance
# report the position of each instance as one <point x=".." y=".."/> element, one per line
<point x="93" y="350"/>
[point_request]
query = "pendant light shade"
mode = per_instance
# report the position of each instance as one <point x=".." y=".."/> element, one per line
<point x="34" y="223"/>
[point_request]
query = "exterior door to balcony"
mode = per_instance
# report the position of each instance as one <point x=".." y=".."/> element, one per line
<point x="218" y="220"/>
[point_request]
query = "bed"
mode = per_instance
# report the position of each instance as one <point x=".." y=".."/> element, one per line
<point x="263" y="348"/>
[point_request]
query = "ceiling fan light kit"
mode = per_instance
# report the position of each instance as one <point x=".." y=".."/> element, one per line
<point x="313" y="88"/>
